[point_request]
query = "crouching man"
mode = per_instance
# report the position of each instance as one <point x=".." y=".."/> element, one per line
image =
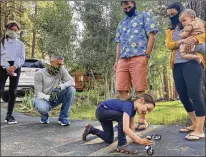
<point x="54" y="86"/>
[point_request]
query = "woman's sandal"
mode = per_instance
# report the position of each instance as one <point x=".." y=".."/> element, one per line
<point x="141" y="124"/>
<point x="126" y="149"/>
<point x="186" y="130"/>
<point x="194" y="137"/>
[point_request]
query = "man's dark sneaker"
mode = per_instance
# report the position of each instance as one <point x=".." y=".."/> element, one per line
<point x="44" y="119"/>
<point x="10" y="119"/>
<point x="87" y="130"/>
<point x="64" y="122"/>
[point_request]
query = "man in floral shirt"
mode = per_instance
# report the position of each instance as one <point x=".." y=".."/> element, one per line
<point x="135" y="38"/>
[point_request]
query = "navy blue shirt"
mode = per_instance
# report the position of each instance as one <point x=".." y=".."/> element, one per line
<point x="119" y="105"/>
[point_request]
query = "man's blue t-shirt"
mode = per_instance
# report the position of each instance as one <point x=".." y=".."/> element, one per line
<point x="119" y="105"/>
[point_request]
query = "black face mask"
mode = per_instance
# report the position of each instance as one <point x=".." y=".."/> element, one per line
<point x="131" y="12"/>
<point x="175" y="20"/>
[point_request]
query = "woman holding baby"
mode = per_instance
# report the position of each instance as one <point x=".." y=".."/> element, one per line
<point x="187" y="71"/>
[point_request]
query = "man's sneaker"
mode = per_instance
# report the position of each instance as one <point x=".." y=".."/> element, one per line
<point x="87" y="130"/>
<point x="10" y="119"/>
<point x="44" y="119"/>
<point x="64" y="122"/>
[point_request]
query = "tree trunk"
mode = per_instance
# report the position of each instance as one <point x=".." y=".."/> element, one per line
<point x="106" y="86"/>
<point x="162" y="84"/>
<point x="20" y="21"/>
<point x="1" y="18"/>
<point x="199" y="8"/>
<point x="34" y="32"/>
<point x="166" y="86"/>
<point x="6" y="14"/>
<point x="13" y="16"/>
<point x="170" y="87"/>
<point x="175" y="94"/>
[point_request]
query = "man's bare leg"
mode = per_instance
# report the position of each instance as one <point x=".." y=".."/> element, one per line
<point x="123" y="95"/>
<point x="141" y="116"/>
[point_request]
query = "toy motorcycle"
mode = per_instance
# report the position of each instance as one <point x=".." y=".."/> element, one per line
<point x="153" y="138"/>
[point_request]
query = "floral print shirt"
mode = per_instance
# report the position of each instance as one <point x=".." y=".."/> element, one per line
<point x="132" y="34"/>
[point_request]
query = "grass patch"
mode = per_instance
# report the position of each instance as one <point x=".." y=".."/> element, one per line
<point x="167" y="113"/>
<point x="83" y="112"/>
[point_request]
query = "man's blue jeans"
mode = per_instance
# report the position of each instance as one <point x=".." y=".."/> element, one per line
<point x="66" y="98"/>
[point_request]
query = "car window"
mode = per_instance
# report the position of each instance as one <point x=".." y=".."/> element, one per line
<point x="33" y="64"/>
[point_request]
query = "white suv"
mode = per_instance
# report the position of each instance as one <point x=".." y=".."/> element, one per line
<point x="26" y="80"/>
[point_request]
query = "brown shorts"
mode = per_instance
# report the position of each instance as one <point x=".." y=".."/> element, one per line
<point x="132" y="71"/>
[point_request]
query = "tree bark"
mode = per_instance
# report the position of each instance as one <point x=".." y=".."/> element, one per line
<point x="166" y="86"/>
<point x="1" y="18"/>
<point x="34" y="32"/>
<point x="6" y="14"/>
<point x="199" y="8"/>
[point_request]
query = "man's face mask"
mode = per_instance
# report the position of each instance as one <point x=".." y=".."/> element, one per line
<point x="131" y="12"/>
<point x="53" y="70"/>
<point x="11" y="34"/>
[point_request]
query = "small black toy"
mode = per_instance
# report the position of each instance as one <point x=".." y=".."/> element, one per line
<point x="153" y="138"/>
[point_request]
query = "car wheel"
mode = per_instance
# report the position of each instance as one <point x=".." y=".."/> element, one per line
<point x="5" y="97"/>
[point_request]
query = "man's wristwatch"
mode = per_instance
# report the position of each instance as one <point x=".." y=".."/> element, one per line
<point x="148" y="55"/>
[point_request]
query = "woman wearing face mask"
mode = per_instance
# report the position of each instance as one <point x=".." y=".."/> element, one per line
<point x="187" y="74"/>
<point x="12" y="58"/>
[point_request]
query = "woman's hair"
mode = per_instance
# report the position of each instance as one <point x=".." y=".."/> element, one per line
<point x="8" y="26"/>
<point x="11" y="24"/>
<point x="179" y="7"/>
<point x="147" y="98"/>
<point x="176" y="5"/>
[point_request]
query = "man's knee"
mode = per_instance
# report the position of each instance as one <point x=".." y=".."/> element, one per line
<point x="41" y="107"/>
<point x="71" y="90"/>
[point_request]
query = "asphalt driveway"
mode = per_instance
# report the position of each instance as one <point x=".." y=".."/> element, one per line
<point x="30" y="138"/>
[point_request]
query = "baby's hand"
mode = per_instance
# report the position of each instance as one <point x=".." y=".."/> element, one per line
<point x="188" y="48"/>
<point x="182" y="48"/>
